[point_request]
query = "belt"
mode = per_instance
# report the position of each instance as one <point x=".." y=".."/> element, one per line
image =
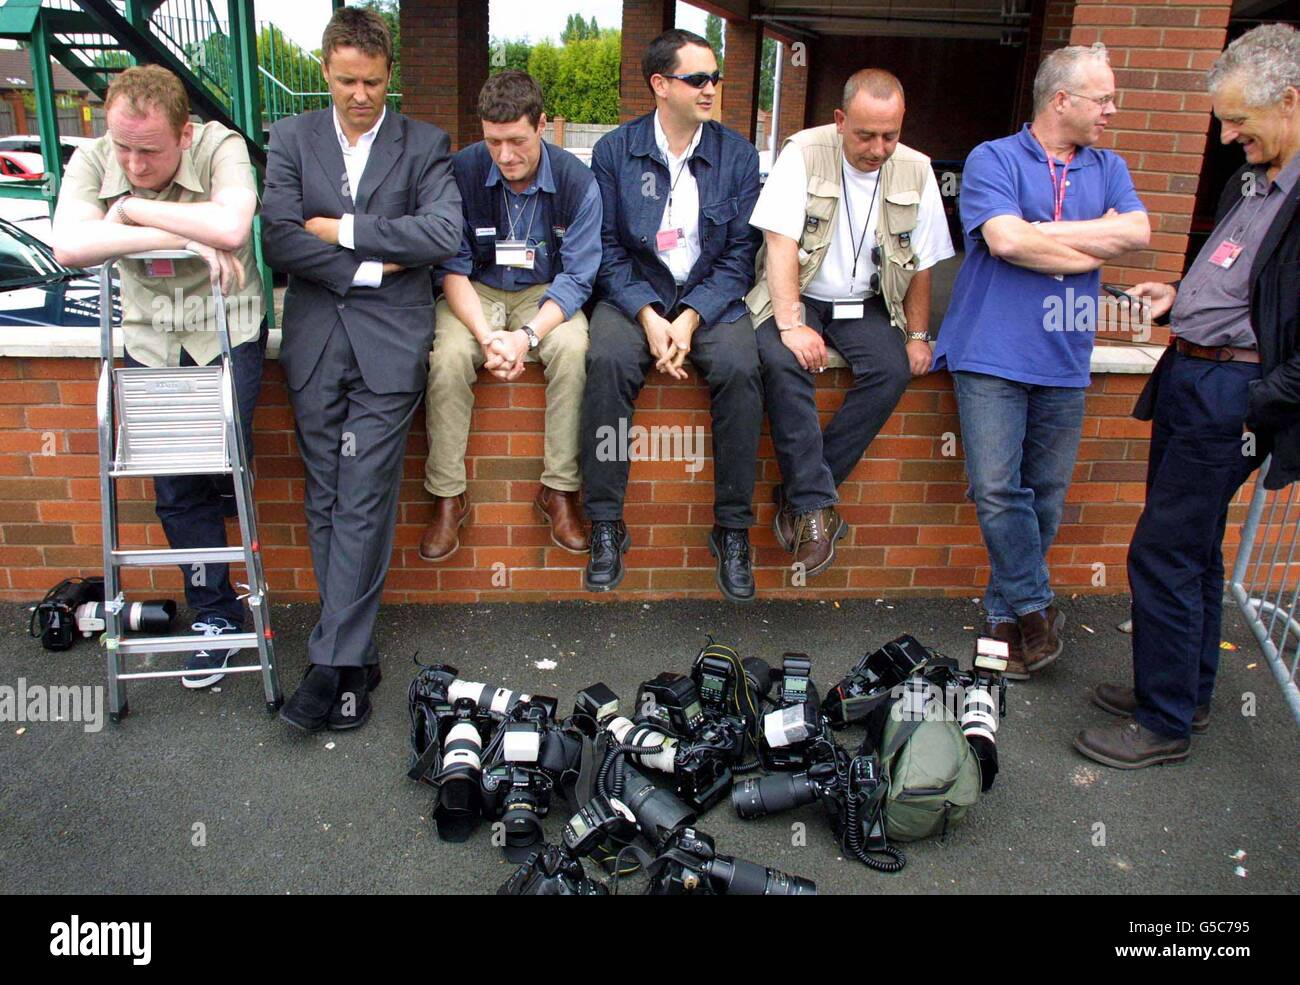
<point x="1214" y="353"/>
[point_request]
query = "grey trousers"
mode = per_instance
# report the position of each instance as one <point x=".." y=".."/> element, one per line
<point x="351" y="440"/>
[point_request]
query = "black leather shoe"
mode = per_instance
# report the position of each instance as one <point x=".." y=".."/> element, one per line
<point x="351" y="708"/>
<point x="609" y="542"/>
<point x="309" y="708"/>
<point x="735" y="569"/>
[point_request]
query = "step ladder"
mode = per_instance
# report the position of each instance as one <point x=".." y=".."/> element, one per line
<point x="174" y="421"/>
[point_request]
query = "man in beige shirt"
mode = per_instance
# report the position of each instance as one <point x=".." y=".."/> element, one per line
<point x="157" y="181"/>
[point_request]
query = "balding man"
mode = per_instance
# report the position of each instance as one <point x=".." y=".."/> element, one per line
<point x="853" y="222"/>
<point x="1042" y="210"/>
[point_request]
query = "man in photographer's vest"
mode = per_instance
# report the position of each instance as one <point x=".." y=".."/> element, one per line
<point x="855" y="277"/>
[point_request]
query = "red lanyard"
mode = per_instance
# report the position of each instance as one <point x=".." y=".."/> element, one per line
<point x="1058" y="189"/>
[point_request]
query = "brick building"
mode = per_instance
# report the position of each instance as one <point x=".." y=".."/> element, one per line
<point x="967" y="71"/>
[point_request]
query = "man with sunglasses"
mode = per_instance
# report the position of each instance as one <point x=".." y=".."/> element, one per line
<point x="1042" y="210"/>
<point x="677" y="189"/>
<point x="853" y="222"/>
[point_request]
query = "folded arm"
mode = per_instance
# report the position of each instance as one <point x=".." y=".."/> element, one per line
<point x="430" y="236"/>
<point x="1110" y="236"/>
<point x="1016" y="241"/>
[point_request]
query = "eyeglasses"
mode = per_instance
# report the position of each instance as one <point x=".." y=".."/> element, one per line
<point x="698" y="80"/>
<point x="1101" y="101"/>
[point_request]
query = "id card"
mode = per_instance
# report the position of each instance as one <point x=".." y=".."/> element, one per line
<point x="159" y="268"/>
<point x="667" y="240"/>
<point x="847" y="308"/>
<point x="1226" y="254"/>
<point x="515" y="253"/>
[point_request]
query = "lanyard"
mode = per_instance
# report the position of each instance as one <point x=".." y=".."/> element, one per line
<point x="532" y="213"/>
<point x="1058" y="189"/>
<point x="866" y="223"/>
<point x="673" y="187"/>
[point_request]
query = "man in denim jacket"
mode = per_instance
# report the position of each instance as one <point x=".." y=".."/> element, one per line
<point x="678" y="258"/>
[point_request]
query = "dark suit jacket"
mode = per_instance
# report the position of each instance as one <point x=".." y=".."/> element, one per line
<point x="1273" y="411"/>
<point x="407" y="211"/>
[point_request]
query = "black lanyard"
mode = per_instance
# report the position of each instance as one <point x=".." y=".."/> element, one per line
<point x="866" y="223"/>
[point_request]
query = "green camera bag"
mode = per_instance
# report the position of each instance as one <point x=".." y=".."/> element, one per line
<point x="933" y="777"/>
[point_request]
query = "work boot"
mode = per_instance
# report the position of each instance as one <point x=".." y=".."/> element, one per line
<point x="1009" y="633"/>
<point x="735" y="569"/>
<point x="783" y="522"/>
<point x="441" y="539"/>
<point x="564" y="513"/>
<point x="815" y="534"/>
<point x="1040" y="637"/>
<point x="609" y="542"/>
<point x="1123" y="702"/>
<point x="1127" y="745"/>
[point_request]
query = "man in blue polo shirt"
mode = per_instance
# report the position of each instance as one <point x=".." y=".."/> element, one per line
<point x="529" y="253"/>
<point x="1041" y="210"/>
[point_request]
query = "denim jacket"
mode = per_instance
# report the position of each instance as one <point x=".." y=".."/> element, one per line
<point x="632" y="275"/>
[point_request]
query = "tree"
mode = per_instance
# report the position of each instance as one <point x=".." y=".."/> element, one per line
<point x="508" y="55"/>
<point x="577" y="29"/>
<point x="713" y="35"/>
<point x="580" y="79"/>
<point x="387" y="9"/>
<point x="767" y="75"/>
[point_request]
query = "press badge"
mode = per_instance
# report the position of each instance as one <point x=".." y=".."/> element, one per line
<point x="1226" y="254"/>
<point x="159" y="268"/>
<point x="515" y="253"/>
<point x="667" y="240"/>
<point x="847" y="308"/>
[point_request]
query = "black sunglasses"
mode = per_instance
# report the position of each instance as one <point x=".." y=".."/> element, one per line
<point x="698" y="80"/>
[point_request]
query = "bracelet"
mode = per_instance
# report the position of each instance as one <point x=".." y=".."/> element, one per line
<point x="118" y="207"/>
<point x="919" y="337"/>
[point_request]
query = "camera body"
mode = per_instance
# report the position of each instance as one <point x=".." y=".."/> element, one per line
<point x="694" y="867"/>
<point x="872" y="679"/>
<point x="791" y="732"/>
<point x="54" y="619"/>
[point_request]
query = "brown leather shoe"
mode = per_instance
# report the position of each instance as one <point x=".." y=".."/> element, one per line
<point x="1123" y="702"/>
<point x="815" y="534"/>
<point x="1127" y="745"/>
<point x="783" y="522"/>
<point x="563" y="511"/>
<point x="441" y="539"/>
<point x="1040" y="635"/>
<point x="1009" y="633"/>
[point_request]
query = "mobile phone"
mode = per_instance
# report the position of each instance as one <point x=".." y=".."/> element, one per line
<point x="1115" y="291"/>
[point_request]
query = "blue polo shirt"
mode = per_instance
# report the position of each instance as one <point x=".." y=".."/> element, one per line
<point x="1019" y="324"/>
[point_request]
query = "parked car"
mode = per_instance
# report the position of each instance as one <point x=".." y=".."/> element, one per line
<point x="38" y="291"/>
<point x="22" y="165"/>
<point x="31" y="144"/>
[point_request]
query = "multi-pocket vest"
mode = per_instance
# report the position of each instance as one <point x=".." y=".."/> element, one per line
<point x="903" y="178"/>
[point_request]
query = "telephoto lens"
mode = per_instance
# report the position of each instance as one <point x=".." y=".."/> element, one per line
<point x="979" y="723"/>
<point x="739" y="877"/>
<point x="760" y="796"/>
<point x="659" y="814"/>
<point x="458" y="782"/>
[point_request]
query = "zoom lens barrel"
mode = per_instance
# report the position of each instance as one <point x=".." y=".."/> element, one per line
<point x="740" y="877"/>
<point x="760" y="796"/>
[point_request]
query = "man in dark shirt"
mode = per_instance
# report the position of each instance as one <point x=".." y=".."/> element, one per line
<point x="1199" y="400"/>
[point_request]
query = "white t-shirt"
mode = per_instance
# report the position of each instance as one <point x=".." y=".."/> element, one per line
<point x="681" y="205"/>
<point x="780" y="209"/>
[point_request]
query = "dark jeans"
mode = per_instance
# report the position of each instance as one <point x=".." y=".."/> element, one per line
<point x="1020" y="441"/>
<point x="193" y="508"/>
<point x="813" y="464"/>
<point x="1175" y="562"/>
<point x="618" y="358"/>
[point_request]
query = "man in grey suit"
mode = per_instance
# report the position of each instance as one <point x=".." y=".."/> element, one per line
<point x="360" y="203"/>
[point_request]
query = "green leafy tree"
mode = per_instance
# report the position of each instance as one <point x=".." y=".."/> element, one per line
<point x="767" y="75"/>
<point x="506" y="54"/>
<point x="713" y="35"/>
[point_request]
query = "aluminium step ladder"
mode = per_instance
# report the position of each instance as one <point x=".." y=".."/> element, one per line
<point x="174" y="421"/>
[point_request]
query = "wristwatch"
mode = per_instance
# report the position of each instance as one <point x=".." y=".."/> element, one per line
<point x="919" y="337"/>
<point x="533" y="340"/>
<point x="121" y="211"/>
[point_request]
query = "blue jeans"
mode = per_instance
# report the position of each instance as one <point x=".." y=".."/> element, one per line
<point x="193" y="508"/>
<point x="1020" y="441"/>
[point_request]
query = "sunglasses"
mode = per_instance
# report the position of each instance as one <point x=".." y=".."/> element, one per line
<point x="698" y="80"/>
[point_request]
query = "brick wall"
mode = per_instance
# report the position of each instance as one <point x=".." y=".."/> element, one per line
<point x="794" y="89"/>
<point x="444" y="65"/>
<point x="643" y="21"/>
<point x="913" y="532"/>
<point x="744" y="43"/>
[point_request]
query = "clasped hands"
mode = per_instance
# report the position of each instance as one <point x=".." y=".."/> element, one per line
<point x="669" y="341"/>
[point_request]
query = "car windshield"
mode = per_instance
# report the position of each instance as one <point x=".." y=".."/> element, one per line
<point x="24" y="261"/>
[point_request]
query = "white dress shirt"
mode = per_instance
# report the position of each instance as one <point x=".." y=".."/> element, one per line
<point x="682" y="208"/>
<point x="781" y="209"/>
<point x="371" y="272"/>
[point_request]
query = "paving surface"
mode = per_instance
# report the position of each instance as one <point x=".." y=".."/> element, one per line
<point x="121" y="810"/>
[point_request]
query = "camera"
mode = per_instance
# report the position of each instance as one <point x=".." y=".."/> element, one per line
<point x="789" y="732"/>
<point x="442" y="682"/>
<point x="700" y="769"/>
<point x="458" y="771"/>
<point x="551" y="871"/>
<point x="695" y="867"/>
<point x="730" y="686"/>
<point x="872" y="679"/>
<point x="671" y="702"/>
<point x="520" y="797"/>
<point x="54" y="619"/>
